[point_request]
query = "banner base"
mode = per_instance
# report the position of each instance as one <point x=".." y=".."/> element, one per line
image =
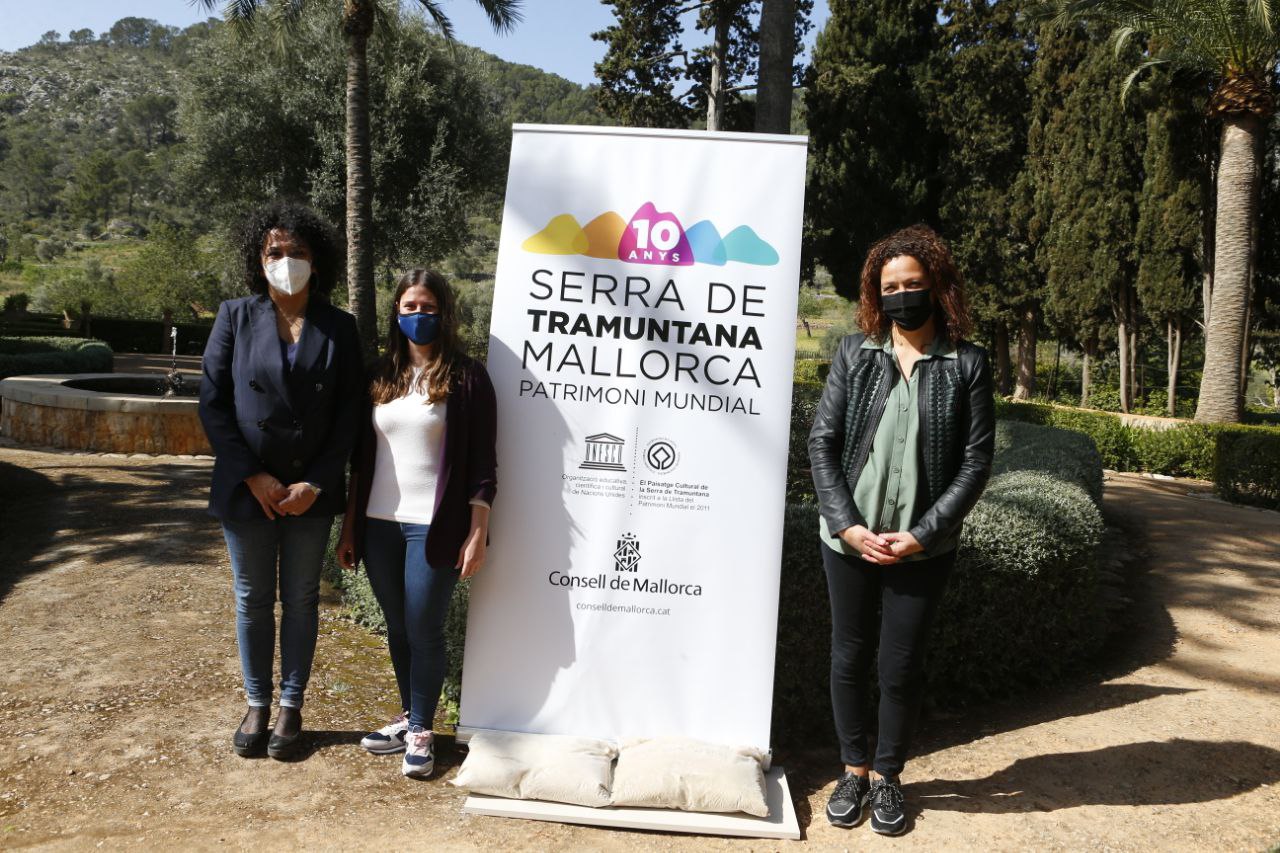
<point x="781" y="822"/>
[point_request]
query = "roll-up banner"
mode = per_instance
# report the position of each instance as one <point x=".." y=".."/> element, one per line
<point x="641" y="348"/>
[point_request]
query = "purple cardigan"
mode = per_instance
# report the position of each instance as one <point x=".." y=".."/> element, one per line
<point x="468" y="465"/>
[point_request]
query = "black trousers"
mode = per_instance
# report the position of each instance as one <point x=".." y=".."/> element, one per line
<point x="907" y="595"/>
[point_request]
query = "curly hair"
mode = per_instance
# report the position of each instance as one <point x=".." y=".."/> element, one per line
<point x="328" y="250"/>
<point x="394" y="372"/>
<point x="922" y="243"/>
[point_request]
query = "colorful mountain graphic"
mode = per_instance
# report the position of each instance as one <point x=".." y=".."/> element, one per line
<point x="650" y="236"/>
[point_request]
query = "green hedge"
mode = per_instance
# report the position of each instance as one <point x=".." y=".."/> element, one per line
<point x="811" y="371"/>
<point x="1025" y="603"/>
<point x="1186" y="450"/>
<point x="804" y="405"/>
<point x="22" y="356"/>
<point x="1247" y="467"/>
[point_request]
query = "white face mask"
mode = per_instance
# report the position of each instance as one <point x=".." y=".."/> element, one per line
<point x="288" y="275"/>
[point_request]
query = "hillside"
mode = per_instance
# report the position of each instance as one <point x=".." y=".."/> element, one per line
<point x="93" y="152"/>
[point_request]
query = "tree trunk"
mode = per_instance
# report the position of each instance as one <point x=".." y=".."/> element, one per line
<point x="1053" y="377"/>
<point x="1004" y="378"/>
<point x="719" y="55"/>
<point x="1245" y="346"/>
<point x="1137" y="385"/>
<point x="1090" y="348"/>
<point x="1026" y="387"/>
<point x="358" y="24"/>
<point x="1173" y="363"/>
<point x="1236" y="209"/>
<point x="1122" y="340"/>
<point x="1275" y="388"/>
<point x="777" y="53"/>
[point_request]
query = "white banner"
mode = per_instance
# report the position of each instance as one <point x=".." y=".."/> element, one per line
<point x="641" y="346"/>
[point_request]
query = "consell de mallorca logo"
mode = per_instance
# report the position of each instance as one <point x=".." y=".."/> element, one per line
<point x="651" y="237"/>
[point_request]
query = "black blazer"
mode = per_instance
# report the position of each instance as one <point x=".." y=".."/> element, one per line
<point x="299" y="424"/>
<point x="469" y="465"/>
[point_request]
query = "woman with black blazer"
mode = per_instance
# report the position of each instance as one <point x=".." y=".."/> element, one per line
<point x="279" y="401"/>
<point x="900" y="450"/>
<point x="422" y="484"/>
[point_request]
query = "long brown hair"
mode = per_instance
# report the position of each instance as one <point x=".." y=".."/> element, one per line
<point x="394" y="376"/>
<point x="922" y="243"/>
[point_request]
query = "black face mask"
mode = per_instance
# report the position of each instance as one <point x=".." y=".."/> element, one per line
<point x="910" y="309"/>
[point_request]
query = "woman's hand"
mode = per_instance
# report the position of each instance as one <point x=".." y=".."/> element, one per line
<point x="347" y="547"/>
<point x="471" y="555"/>
<point x="872" y="547"/>
<point x="299" y="499"/>
<point x="903" y="544"/>
<point x="269" y="492"/>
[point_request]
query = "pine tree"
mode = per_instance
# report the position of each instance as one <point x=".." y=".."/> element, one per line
<point x="1088" y="154"/>
<point x="980" y="103"/>
<point x="872" y="151"/>
<point x="637" y="74"/>
<point x="1171" y="219"/>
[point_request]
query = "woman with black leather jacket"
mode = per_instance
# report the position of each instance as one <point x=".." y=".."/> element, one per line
<point x="900" y="450"/>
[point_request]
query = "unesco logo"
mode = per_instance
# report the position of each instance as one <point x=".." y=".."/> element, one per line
<point x="626" y="558"/>
<point x="661" y="456"/>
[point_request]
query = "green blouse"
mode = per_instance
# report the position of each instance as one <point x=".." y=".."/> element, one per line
<point x="890" y="493"/>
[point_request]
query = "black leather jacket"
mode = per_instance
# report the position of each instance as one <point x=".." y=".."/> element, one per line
<point x="957" y="433"/>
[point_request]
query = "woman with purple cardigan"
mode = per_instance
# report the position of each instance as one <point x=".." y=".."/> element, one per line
<point x="422" y="482"/>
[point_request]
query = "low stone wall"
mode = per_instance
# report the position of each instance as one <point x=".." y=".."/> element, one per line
<point x="42" y="411"/>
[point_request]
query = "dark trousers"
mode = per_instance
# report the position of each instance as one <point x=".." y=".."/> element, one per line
<point x="907" y="596"/>
<point x="414" y="598"/>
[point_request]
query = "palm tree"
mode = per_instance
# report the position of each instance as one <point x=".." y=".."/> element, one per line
<point x="1234" y="46"/>
<point x="359" y="18"/>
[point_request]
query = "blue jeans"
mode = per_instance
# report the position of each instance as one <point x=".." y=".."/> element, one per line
<point x="414" y="598"/>
<point x="289" y="549"/>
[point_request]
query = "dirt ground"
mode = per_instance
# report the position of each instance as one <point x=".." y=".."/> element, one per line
<point x="121" y="690"/>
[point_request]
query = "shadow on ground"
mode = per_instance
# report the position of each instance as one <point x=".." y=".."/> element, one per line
<point x="28" y="502"/>
<point x="48" y="514"/>
<point x="1150" y="773"/>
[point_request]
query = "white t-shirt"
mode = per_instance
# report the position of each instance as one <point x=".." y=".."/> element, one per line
<point x="410" y="435"/>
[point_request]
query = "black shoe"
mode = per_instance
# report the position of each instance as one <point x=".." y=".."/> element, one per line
<point x="845" y="806"/>
<point x="887" y="816"/>
<point x="250" y="743"/>
<point x="286" y="735"/>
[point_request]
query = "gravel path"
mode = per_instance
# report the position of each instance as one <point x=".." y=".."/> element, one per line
<point x="121" y="691"/>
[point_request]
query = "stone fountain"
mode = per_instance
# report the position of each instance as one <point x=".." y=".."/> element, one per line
<point x="105" y="412"/>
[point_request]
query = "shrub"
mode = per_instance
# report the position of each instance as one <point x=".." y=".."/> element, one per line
<point x="1247" y="466"/>
<point x="1181" y="451"/>
<point x="1071" y="456"/>
<point x="1111" y="437"/>
<point x="834" y="335"/>
<point x="148" y="335"/>
<point x="22" y="356"/>
<point x="804" y="404"/>
<point x="811" y="371"/>
<point x="1023" y="605"/>
<point x="16" y="303"/>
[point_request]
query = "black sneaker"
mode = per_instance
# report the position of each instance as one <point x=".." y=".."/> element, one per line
<point x="845" y="806"/>
<point x="887" y="816"/>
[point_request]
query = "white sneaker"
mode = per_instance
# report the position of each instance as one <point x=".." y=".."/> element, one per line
<point x="419" y="754"/>
<point x="389" y="738"/>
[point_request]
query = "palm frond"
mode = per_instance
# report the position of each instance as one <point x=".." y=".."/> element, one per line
<point x="438" y="17"/>
<point x="1225" y="37"/>
<point x="1135" y="74"/>
<point x="503" y="14"/>
<point x="1262" y="14"/>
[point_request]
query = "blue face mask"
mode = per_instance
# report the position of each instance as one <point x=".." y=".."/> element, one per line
<point x="420" y="328"/>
